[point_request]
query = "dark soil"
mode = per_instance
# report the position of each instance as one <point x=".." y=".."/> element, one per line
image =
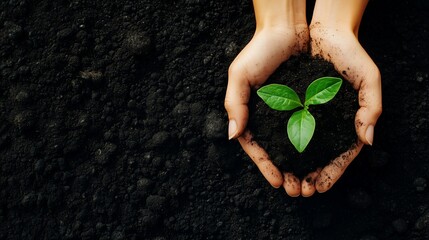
<point x="335" y="130"/>
<point x="112" y="126"/>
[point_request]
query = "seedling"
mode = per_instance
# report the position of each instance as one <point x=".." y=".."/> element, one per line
<point x="301" y="125"/>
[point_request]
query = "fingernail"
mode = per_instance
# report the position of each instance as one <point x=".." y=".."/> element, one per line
<point x="369" y="135"/>
<point x="232" y="129"/>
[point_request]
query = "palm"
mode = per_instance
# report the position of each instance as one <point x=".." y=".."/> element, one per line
<point x="343" y="49"/>
<point x="251" y="68"/>
<point x="264" y="53"/>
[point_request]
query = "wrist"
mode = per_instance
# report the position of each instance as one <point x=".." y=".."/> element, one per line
<point x="344" y="16"/>
<point x="275" y="14"/>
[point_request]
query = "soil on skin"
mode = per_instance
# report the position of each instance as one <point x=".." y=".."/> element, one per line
<point x="335" y="129"/>
<point x="112" y="126"/>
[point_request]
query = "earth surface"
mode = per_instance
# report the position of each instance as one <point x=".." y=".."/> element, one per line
<point x="334" y="121"/>
<point x="112" y="126"/>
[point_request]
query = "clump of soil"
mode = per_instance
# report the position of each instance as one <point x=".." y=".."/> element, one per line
<point x="335" y="130"/>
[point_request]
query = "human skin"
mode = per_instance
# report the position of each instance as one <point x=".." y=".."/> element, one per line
<point x="282" y="31"/>
<point x="334" y="37"/>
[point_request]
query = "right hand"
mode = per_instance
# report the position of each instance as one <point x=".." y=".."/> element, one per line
<point x="341" y="47"/>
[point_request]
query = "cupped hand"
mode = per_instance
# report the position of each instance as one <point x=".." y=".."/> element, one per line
<point x="333" y="35"/>
<point x="342" y="48"/>
<point x="268" y="48"/>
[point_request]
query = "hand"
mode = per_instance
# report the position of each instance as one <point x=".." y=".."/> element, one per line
<point x="334" y="38"/>
<point x="278" y="36"/>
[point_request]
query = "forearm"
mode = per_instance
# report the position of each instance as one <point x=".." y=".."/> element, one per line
<point x="339" y="14"/>
<point x="279" y="13"/>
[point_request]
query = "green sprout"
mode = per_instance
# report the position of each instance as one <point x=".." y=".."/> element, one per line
<point x="301" y="125"/>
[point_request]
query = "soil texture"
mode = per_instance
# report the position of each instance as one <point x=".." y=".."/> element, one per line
<point x="335" y="129"/>
<point x="112" y="126"/>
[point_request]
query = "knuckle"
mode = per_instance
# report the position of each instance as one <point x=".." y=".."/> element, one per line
<point x="377" y="72"/>
<point x="234" y="69"/>
<point x="228" y="104"/>
<point x="377" y="111"/>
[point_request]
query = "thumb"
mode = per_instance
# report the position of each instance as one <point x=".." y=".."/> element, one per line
<point x="370" y="107"/>
<point x="236" y="99"/>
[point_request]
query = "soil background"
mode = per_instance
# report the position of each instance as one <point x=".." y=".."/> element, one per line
<point x="335" y="120"/>
<point x="112" y="127"/>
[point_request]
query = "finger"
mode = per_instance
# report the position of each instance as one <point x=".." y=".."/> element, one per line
<point x="251" y="68"/>
<point x="236" y="99"/>
<point x="352" y="61"/>
<point x="370" y="107"/>
<point x="261" y="159"/>
<point x="291" y="184"/>
<point x="333" y="171"/>
<point x="307" y="186"/>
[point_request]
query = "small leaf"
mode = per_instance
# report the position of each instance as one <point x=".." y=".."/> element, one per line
<point x="279" y="97"/>
<point x="322" y="90"/>
<point x="300" y="129"/>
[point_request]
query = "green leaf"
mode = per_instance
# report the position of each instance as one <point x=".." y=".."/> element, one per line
<point x="322" y="90"/>
<point x="300" y="129"/>
<point x="279" y="97"/>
